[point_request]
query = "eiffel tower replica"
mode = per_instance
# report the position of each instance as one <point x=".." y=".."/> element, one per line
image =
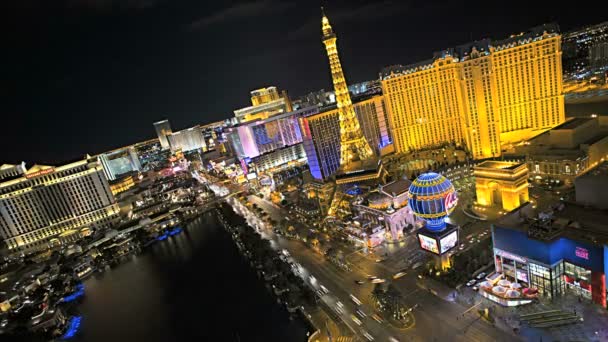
<point x="358" y="164"/>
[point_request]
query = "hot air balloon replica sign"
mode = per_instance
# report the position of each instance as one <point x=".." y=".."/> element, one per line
<point x="432" y="198"/>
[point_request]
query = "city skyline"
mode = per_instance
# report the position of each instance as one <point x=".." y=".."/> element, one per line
<point x="462" y="182"/>
<point x="83" y="97"/>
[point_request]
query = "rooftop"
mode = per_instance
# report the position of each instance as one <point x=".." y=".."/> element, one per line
<point x="573" y="124"/>
<point x="397" y="187"/>
<point x="499" y="165"/>
<point x="357" y="170"/>
<point x="569" y="220"/>
<point x="599" y="172"/>
<point x="482" y="46"/>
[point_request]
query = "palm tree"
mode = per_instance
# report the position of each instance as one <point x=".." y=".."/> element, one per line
<point x="394" y="302"/>
<point x="377" y="296"/>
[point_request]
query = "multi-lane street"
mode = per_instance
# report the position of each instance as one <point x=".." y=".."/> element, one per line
<point x="434" y="318"/>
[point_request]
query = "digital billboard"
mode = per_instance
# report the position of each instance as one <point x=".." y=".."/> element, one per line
<point x="428" y="243"/>
<point x="449" y="241"/>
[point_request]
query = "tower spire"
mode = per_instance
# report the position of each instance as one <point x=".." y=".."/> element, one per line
<point x="353" y="146"/>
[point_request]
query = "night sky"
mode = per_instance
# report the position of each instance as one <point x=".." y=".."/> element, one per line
<point x="84" y="76"/>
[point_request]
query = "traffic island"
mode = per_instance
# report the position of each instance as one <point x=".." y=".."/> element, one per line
<point x="405" y="323"/>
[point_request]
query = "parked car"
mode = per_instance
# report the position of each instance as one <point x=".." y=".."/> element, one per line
<point x="471" y="282"/>
<point x="481" y="275"/>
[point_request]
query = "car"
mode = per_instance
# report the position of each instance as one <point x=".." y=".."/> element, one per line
<point x="371" y="277"/>
<point x="312" y="278"/>
<point x="377" y="318"/>
<point x="355" y="300"/>
<point x="355" y="319"/>
<point x="378" y="281"/>
<point x="319" y="293"/>
<point x="399" y="275"/>
<point x="392" y="339"/>
<point x="359" y="282"/>
<point x="461" y="247"/>
<point x="475" y="288"/>
<point x="361" y="313"/>
<point x="471" y="282"/>
<point x="367" y="335"/>
<point x="339" y="304"/>
<point x="481" y="275"/>
<point x="324" y="289"/>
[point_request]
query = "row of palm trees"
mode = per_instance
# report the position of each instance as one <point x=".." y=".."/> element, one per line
<point x="389" y="300"/>
<point x="290" y="288"/>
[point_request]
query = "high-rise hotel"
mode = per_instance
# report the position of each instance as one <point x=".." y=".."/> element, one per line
<point x="321" y="134"/>
<point x="482" y="94"/>
<point x="44" y="203"/>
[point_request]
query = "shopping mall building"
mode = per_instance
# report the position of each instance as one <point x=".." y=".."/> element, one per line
<point x="561" y="251"/>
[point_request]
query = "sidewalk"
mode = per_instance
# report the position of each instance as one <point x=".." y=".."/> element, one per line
<point x="594" y="326"/>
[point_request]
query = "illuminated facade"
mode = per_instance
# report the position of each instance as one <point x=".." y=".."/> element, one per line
<point x="47" y="201"/>
<point x="501" y="183"/>
<point x="163" y="128"/>
<point x="281" y="158"/>
<point x="271" y="142"/>
<point x="389" y="208"/>
<point x="371" y="113"/>
<point x="121" y="185"/>
<point x="483" y="94"/>
<point x="118" y="162"/>
<point x="189" y="139"/>
<point x="562" y="255"/>
<point x="266" y="102"/>
<point x="264" y="95"/>
<point x="320" y="132"/>
<point x="353" y="146"/>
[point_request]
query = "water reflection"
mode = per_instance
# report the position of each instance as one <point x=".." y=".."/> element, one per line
<point x="192" y="286"/>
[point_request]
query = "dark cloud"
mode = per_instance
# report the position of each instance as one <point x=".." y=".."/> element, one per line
<point x="241" y="10"/>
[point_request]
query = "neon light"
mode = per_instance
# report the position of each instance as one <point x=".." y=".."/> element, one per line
<point x="73" y="327"/>
<point x="79" y="293"/>
<point x="162" y="237"/>
<point x="40" y="173"/>
<point x="175" y="231"/>
<point x="450" y="202"/>
<point x="582" y="253"/>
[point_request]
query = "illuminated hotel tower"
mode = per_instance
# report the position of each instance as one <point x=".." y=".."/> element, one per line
<point x="486" y="94"/>
<point x="353" y="146"/>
